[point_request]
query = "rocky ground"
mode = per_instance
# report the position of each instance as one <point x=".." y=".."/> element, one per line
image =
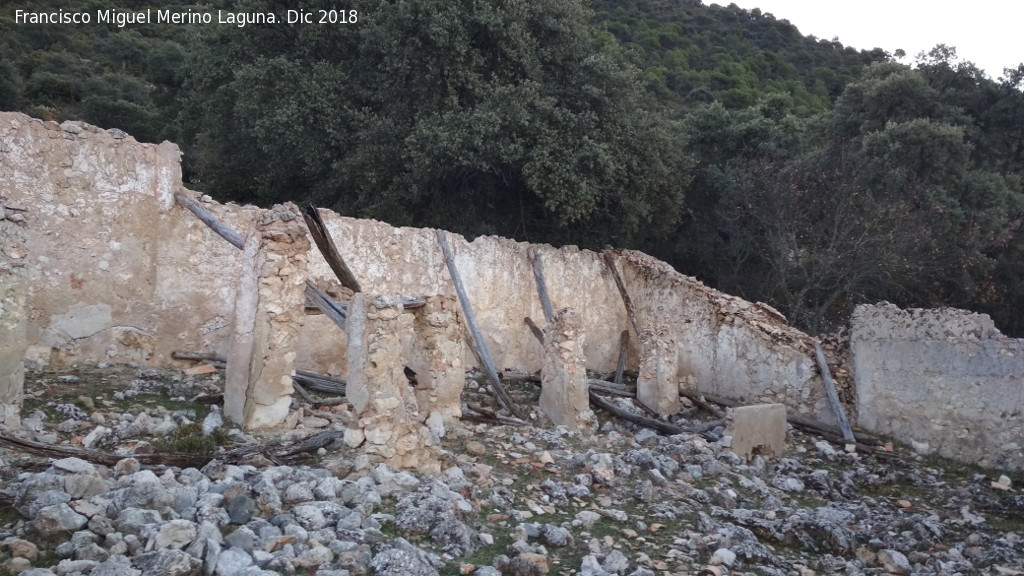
<point x="512" y="500"/>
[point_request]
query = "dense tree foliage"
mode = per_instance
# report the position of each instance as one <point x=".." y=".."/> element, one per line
<point x="127" y="77"/>
<point x="883" y="197"/>
<point x="773" y="165"/>
<point x="508" y="117"/>
<point x="694" y="53"/>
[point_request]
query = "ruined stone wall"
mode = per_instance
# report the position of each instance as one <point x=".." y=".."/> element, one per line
<point x="117" y="271"/>
<point x="945" y="380"/>
<point x="725" y="345"/>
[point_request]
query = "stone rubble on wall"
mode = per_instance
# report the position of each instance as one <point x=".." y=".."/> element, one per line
<point x="269" y="313"/>
<point x="563" y="396"/>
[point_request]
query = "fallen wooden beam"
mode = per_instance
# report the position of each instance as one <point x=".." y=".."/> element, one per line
<point x="275" y="452"/>
<point x="665" y="428"/>
<point x="322" y="238"/>
<point x="833" y="396"/>
<point x="302" y="392"/>
<point x="630" y="311"/>
<point x="611" y="388"/>
<point x="542" y="289"/>
<point x="480" y="414"/>
<point x="319" y="382"/>
<point x="474" y="330"/>
<point x="198" y="356"/>
<point x="520" y="376"/>
<point x="699" y="400"/>
<point x="222" y="229"/>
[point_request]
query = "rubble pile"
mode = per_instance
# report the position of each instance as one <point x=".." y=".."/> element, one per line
<point x="512" y="500"/>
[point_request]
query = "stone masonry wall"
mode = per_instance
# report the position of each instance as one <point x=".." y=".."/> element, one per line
<point x="118" y="272"/>
<point x="945" y="380"/>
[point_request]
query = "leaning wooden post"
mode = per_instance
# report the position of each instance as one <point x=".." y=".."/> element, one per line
<point x="833" y="396"/>
<point x="542" y="290"/>
<point x="322" y="237"/>
<point x="210" y="220"/>
<point x="336" y="311"/>
<point x="622" y="291"/>
<point x="474" y="329"/>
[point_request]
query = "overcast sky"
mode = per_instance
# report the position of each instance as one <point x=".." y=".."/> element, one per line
<point x="986" y="32"/>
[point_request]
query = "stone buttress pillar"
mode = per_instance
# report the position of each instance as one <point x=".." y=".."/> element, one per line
<point x="389" y="425"/>
<point x="657" y="386"/>
<point x="13" y="323"/>
<point x="269" y="311"/>
<point x="436" y="358"/>
<point x="564" y="396"/>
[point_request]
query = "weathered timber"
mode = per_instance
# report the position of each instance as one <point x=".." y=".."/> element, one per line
<point x="183" y="460"/>
<point x="222" y="229"/>
<point x="520" y="376"/>
<point x="334" y="310"/>
<point x="611" y="388"/>
<point x="822" y="428"/>
<point x="310" y="444"/>
<point x="609" y="261"/>
<point x="319" y="382"/>
<point x="474" y="330"/>
<point x="198" y="356"/>
<point x="322" y="238"/>
<point x="699" y="400"/>
<point x="833" y="396"/>
<point x="623" y="346"/>
<point x="302" y="392"/>
<point x="274" y="452"/>
<point x="542" y="289"/>
<point x="537" y="332"/>
<point x="480" y="414"/>
<point x="656" y="425"/>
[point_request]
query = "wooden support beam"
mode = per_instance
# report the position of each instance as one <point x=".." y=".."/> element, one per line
<point x="322" y="238"/>
<point x="542" y="289"/>
<point x="833" y="396"/>
<point x="210" y="220"/>
<point x="334" y="310"/>
<point x="476" y="336"/>
<point x="609" y="261"/>
<point x="537" y="332"/>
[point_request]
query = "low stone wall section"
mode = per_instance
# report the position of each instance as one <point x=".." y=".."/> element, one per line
<point x="943" y="380"/>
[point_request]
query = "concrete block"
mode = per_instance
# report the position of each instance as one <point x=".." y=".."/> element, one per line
<point x="758" y="429"/>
